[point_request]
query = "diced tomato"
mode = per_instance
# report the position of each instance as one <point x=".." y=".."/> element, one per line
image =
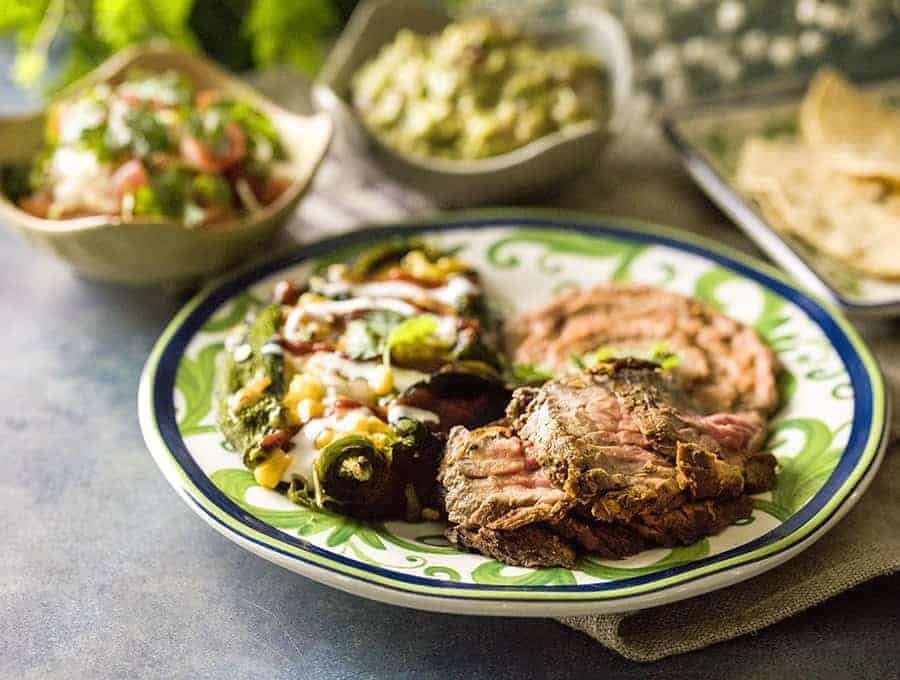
<point x="207" y="97"/>
<point x="199" y="154"/>
<point x="129" y="98"/>
<point x="130" y="176"/>
<point x="271" y="190"/>
<point x="36" y="204"/>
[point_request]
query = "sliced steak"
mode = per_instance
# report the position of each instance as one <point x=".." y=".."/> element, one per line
<point x="618" y="438"/>
<point x="530" y="546"/>
<point x="489" y="481"/>
<point x="691" y="521"/>
<point x="605" y="539"/>
<point x="684" y="525"/>
<point x="612" y="461"/>
<point x="723" y="364"/>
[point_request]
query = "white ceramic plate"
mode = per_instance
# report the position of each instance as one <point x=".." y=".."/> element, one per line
<point x="828" y="437"/>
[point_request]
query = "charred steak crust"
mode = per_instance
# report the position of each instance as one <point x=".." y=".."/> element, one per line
<point x="534" y="545"/>
<point x="723" y="364"/>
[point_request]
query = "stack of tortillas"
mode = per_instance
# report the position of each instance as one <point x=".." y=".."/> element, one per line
<point x="837" y="186"/>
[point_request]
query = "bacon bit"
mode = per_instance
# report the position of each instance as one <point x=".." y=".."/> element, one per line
<point x="286" y="293"/>
<point x="306" y="346"/>
<point x="277" y="438"/>
<point x="348" y="404"/>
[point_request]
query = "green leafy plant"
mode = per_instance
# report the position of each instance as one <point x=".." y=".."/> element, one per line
<point x="242" y="34"/>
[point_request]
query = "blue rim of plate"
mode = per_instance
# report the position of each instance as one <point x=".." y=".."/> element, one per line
<point x="865" y="442"/>
<point x="723" y="194"/>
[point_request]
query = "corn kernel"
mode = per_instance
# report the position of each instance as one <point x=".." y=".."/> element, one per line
<point x="291" y="416"/>
<point x="354" y="422"/>
<point x="373" y="424"/>
<point x="382" y="381"/>
<point x="308" y="409"/>
<point x="324" y="438"/>
<point x="380" y="439"/>
<point x="269" y="472"/>
<point x="307" y="298"/>
<point x="306" y="387"/>
<point x="450" y="265"/>
<point x="418" y="266"/>
<point x="248" y="394"/>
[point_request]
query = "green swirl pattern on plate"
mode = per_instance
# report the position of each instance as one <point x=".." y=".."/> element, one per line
<point x="807" y="436"/>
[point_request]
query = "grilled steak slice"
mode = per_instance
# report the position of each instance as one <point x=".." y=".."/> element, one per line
<point x="722" y="363"/>
<point x="530" y="546"/>
<point x="620" y="439"/>
<point x="684" y="525"/>
<point x="605" y="539"/>
<point x="490" y="482"/>
<point x="691" y="521"/>
<point x="612" y="461"/>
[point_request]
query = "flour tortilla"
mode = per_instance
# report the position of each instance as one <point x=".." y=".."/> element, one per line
<point x="851" y="219"/>
<point x="860" y="133"/>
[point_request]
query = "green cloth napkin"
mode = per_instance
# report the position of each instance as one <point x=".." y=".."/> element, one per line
<point x="865" y="544"/>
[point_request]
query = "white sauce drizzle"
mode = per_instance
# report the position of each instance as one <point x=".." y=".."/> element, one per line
<point x="329" y="309"/>
<point x="448" y="294"/>
<point x="398" y="411"/>
<point x="327" y="365"/>
<point x="304" y="454"/>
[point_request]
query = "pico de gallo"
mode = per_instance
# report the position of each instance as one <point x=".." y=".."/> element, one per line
<point x="157" y="147"/>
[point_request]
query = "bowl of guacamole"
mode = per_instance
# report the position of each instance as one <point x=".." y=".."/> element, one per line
<point x="477" y="109"/>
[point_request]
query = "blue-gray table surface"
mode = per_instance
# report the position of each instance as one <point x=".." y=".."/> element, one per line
<point x="104" y="572"/>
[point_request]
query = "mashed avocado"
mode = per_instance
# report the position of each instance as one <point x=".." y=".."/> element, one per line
<point x="477" y="89"/>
